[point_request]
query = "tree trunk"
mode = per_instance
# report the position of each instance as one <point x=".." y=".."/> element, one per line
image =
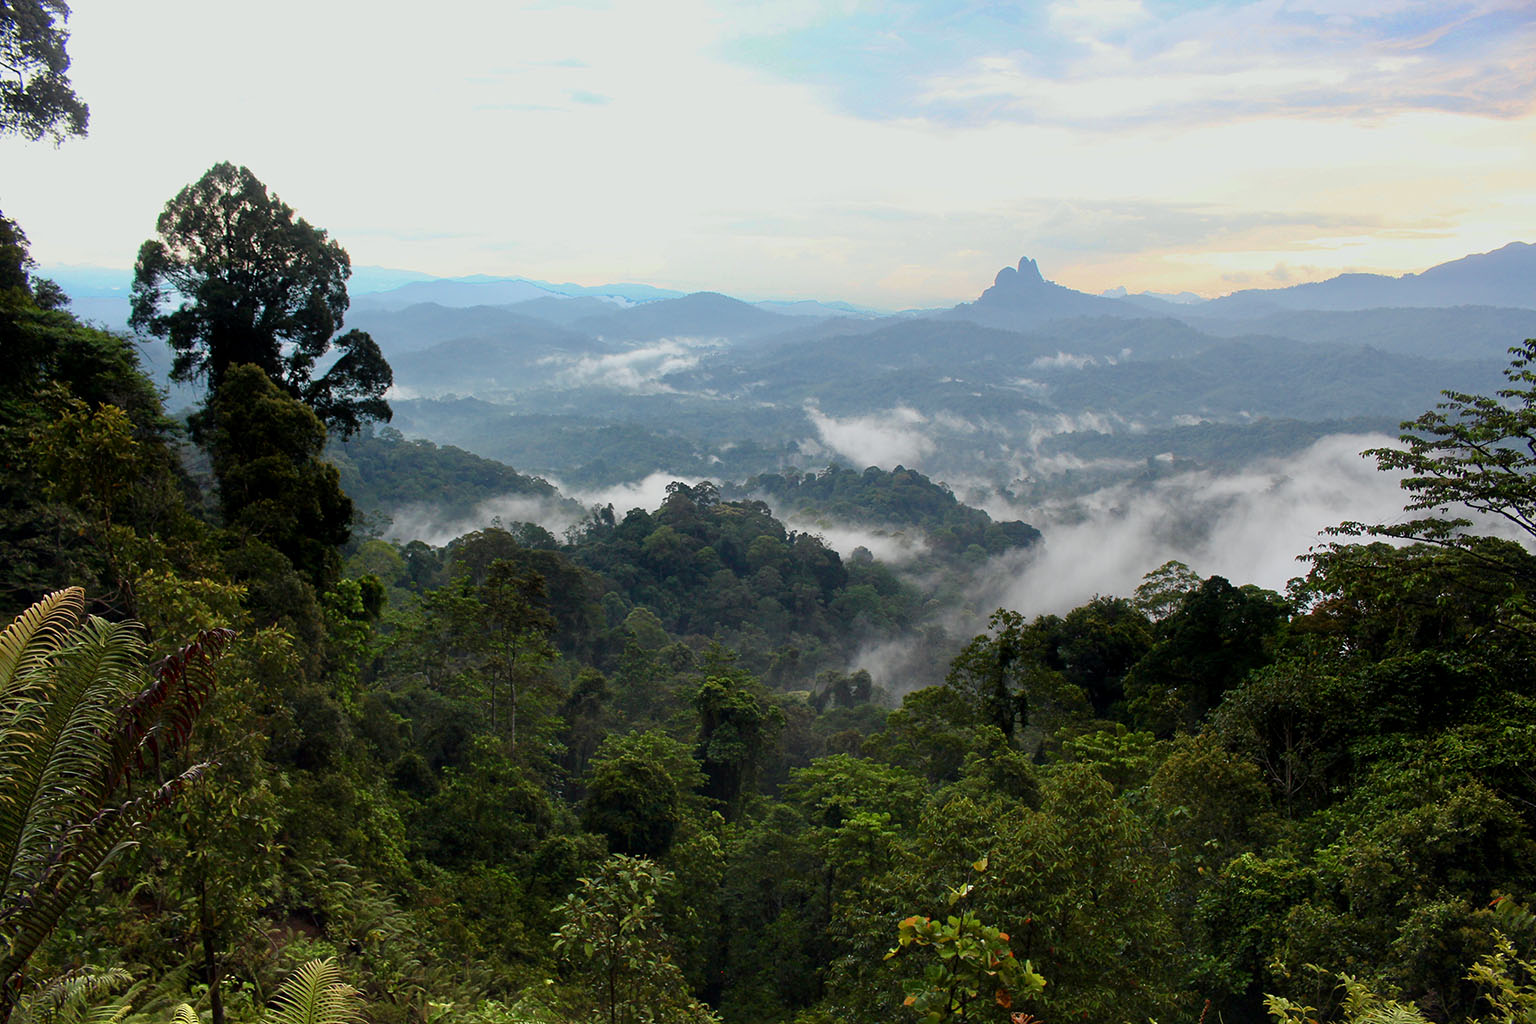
<point x="211" y="967"/>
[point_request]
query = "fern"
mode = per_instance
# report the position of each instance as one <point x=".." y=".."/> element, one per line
<point x="316" y="994"/>
<point x="79" y="997"/>
<point x="79" y="718"/>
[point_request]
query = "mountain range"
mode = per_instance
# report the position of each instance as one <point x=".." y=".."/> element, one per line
<point x="602" y="385"/>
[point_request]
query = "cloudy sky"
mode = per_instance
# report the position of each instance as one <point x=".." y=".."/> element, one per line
<point x="889" y="153"/>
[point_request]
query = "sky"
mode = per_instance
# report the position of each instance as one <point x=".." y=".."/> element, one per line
<point x="893" y="154"/>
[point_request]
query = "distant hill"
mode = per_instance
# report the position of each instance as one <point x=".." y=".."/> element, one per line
<point x="1504" y="277"/>
<point x="891" y="499"/>
<point x="450" y="294"/>
<point x="1455" y="332"/>
<point x="480" y="290"/>
<point x="509" y="358"/>
<point x="386" y="473"/>
<point x="810" y="307"/>
<point x="563" y="310"/>
<point x="420" y="327"/>
<point x="702" y="314"/>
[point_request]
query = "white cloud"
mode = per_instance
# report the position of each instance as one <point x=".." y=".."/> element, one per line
<point x="887" y="439"/>
<point x="647" y="493"/>
<point x="1065" y="361"/>
<point x="426" y="523"/>
<point x="892" y="545"/>
<point x="639" y="369"/>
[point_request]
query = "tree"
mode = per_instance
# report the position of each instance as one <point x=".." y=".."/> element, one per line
<point x="1219" y="634"/>
<point x="975" y="966"/>
<point x="1006" y="677"/>
<point x="40" y="100"/>
<point x="233" y="278"/>
<point x="1473" y="451"/>
<point x="79" y="724"/>
<point x="737" y="725"/>
<point x="273" y="484"/>
<point x="636" y="792"/>
<point x="613" y="937"/>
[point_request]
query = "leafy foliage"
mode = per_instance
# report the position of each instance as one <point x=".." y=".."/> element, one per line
<point x="249" y="284"/>
<point x="40" y="100"/>
<point x="975" y="964"/>
<point x="316" y="994"/>
<point x="612" y="935"/>
<point x="1471" y="451"/>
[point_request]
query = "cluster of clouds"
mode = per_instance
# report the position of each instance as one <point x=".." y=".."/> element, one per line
<point x="642" y="369"/>
<point x="427" y="522"/>
<point x="1123" y="62"/>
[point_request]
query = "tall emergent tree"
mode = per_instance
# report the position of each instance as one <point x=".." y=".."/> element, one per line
<point x="36" y="97"/>
<point x="234" y="278"/>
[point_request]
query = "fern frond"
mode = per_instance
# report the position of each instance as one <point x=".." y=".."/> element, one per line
<point x="27" y="709"/>
<point x="78" y="718"/>
<point x="78" y="997"/>
<point x="36" y="633"/>
<point x="1392" y="1013"/>
<point x="64" y="779"/>
<point x="29" y="916"/>
<point x="316" y="994"/>
<point x="158" y="721"/>
<point x="185" y="1014"/>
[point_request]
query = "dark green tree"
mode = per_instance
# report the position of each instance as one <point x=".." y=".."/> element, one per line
<point x="737" y="725"/>
<point x="1008" y="678"/>
<point x="36" y="97"/>
<point x="636" y="792"/>
<point x="612" y="937"/>
<point x="233" y="278"/>
<point x="1219" y="634"/>
<point x="273" y="484"/>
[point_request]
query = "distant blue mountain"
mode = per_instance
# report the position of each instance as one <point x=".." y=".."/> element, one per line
<point x="1505" y="277"/>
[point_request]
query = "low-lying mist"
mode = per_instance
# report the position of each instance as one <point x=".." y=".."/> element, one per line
<point x="426" y="522"/>
<point x="1249" y="527"/>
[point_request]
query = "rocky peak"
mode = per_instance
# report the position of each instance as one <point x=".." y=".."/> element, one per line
<point x="1011" y="281"/>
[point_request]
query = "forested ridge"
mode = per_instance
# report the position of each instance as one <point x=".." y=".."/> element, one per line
<point x="258" y="763"/>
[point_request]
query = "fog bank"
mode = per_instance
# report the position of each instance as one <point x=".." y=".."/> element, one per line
<point x="1248" y="527"/>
